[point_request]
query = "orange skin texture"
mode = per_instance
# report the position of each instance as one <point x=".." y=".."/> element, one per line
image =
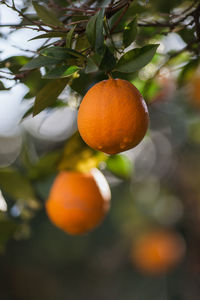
<point x="158" y="252"/>
<point x="76" y="204"/>
<point x="113" y="116"/>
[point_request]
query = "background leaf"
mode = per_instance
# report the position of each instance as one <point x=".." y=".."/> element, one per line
<point x="47" y="16"/>
<point x="119" y="165"/>
<point x="15" y="184"/>
<point x="48" y="94"/>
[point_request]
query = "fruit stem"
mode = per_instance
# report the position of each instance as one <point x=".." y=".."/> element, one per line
<point x="110" y="76"/>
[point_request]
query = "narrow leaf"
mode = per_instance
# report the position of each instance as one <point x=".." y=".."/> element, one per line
<point x="136" y="59"/>
<point x="130" y="32"/>
<point x="47" y="16"/>
<point x="15" y="184"/>
<point x="108" y="62"/>
<point x="60" y="52"/>
<point x="99" y="41"/>
<point x="91" y="66"/>
<point x="91" y="30"/>
<point x="61" y="72"/>
<point x="69" y="37"/>
<point x="48" y="94"/>
<point x="40" y="61"/>
<point x="49" y="35"/>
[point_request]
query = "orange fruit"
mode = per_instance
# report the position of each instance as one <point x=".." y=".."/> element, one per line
<point x="113" y="116"/>
<point x="78" y="202"/>
<point x="195" y="91"/>
<point x="157" y="252"/>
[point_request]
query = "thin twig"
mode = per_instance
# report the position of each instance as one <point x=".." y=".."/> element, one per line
<point x="197" y="24"/>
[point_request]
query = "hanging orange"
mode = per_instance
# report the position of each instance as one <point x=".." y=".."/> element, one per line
<point x="158" y="251"/>
<point x="113" y="116"/>
<point x="78" y="202"/>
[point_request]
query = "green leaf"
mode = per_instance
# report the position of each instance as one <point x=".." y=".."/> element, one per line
<point x="46" y="165"/>
<point x="188" y="71"/>
<point x="69" y="37"/>
<point x="91" y="66"/>
<point x="15" y="184"/>
<point x="108" y="62"/>
<point x="91" y="30"/>
<point x="40" y="61"/>
<point x="61" y="53"/>
<point x="136" y="59"/>
<point x="82" y="43"/>
<point x="130" y="32"/>
<point x="48" y="94"/>
<point x="94" y="32"/>
<point x="46" y="15"/>
<point x="14" y="63"/>
<point x="33" y="83"/>
<point x="99" y="40"/>
<point x="7" y="229"/>
<point x="119" y="165"/>
<point x="61" y="72"/>
<point x="49" y="35"/>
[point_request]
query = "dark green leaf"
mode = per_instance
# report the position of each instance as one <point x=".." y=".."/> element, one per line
<point x="47" y="16"/>
<point x="29" y="20"/>
<point x="33" y="82"/>
<point x="61" y="53"/>
<point x="119" y="165"/>
<point x="130" y="32"/>
<point x="40" y="61"/>
<point x="46" y="165"/>
<point x="14" y="63"/>
<point x="15" y="184"/>
<point x="48" y="94"/>
<point x="7" y="229"/>
<point x="69" y="37"/>
<point x="136" y="59"/>
<point x="61" y="72"/>
<point x="108" y="62"/>
<point x="91" y="30"/>
<point x="49" y="35"/>
<point x="99" y="40"/>
<point x="82" y="43"/>
<point x="91" y="66"/>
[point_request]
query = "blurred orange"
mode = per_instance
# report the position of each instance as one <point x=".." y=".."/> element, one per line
<point x="78" y="202"/>
<point x="158" y="251"/>
<point x="195" y="90"/>
<point x="167" y="86"/>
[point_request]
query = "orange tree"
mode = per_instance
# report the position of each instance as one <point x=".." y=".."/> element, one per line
<point x="85" y="43"/>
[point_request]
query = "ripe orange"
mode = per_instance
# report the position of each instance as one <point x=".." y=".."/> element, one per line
<point x="157" y="252"/>
<point x="113" y="116"/>
<point x="195" y="91"/>
<point x="78" y="202"/>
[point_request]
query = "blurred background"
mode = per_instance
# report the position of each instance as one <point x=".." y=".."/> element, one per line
<point x="155" y="187"/>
